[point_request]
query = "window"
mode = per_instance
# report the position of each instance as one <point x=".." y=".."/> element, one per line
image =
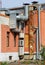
<point x="14" y="40"/>
<point x="7" y="39"/>
<point x="21" y="43"/>
<point x="10" y="57"/>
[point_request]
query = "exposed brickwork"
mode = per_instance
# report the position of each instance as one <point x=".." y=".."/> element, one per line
<point x="33" y="17"/>
<point x="11" y="47"/>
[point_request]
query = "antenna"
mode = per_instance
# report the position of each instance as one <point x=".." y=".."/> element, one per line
<point x="0" y="3"/>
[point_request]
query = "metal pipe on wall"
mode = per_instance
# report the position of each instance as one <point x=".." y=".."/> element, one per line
<point x="14" y="17"/>
<point x="20" y="17"/>
<point x="38" y="34"/>
<point x="39" y="25"/>
<point x="25" y="16"/>
<point x="37" y="47"/>
<point x="13" y="11"/>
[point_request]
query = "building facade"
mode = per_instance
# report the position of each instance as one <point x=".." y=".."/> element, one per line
<point x="21" y="37"/>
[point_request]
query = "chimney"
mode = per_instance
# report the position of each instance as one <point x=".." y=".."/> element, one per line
<point x="34" y="3"/>
<point x="25" y="3"/>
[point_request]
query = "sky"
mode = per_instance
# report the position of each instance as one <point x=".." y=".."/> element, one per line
<point x="17" y="3"/>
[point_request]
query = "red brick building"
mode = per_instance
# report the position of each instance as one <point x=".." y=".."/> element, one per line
<point x="20" y="40"/>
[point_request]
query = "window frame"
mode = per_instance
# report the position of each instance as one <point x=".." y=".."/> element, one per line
<point x="21" y="42"/>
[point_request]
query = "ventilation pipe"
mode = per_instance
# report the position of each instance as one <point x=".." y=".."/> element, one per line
<point x="38" y="34"/>
<point x="25" y="16"/>
<point x="8" y="12"/>
<point x="39" y="27"/>
<point x="34" y="3"/>
<point x="14" y="17"/>
<point x="20" y="17"/>
<point x="39" y="24"/>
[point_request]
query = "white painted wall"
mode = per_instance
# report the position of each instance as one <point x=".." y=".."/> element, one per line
<point x="4" y="20"/>
<point x="5" y="56"/>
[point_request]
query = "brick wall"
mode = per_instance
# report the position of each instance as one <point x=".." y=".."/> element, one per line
<point x="11" y="47"/>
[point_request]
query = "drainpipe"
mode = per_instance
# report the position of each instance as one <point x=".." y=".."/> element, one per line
<point x="38" y="37"/>
<point x="37" y="30"/>
<point x="39" y="26"/>
<point x="37" y="42"/>
<point x="37" y="55"/>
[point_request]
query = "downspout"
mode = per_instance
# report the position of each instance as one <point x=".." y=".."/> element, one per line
<point x="37" y="47"/>
<point x="38" y="35"/>
<point x="37" y="31"/>
<point x="39" y="26"/>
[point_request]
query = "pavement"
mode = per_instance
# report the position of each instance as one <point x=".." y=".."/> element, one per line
<point x="19" y="63"/>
